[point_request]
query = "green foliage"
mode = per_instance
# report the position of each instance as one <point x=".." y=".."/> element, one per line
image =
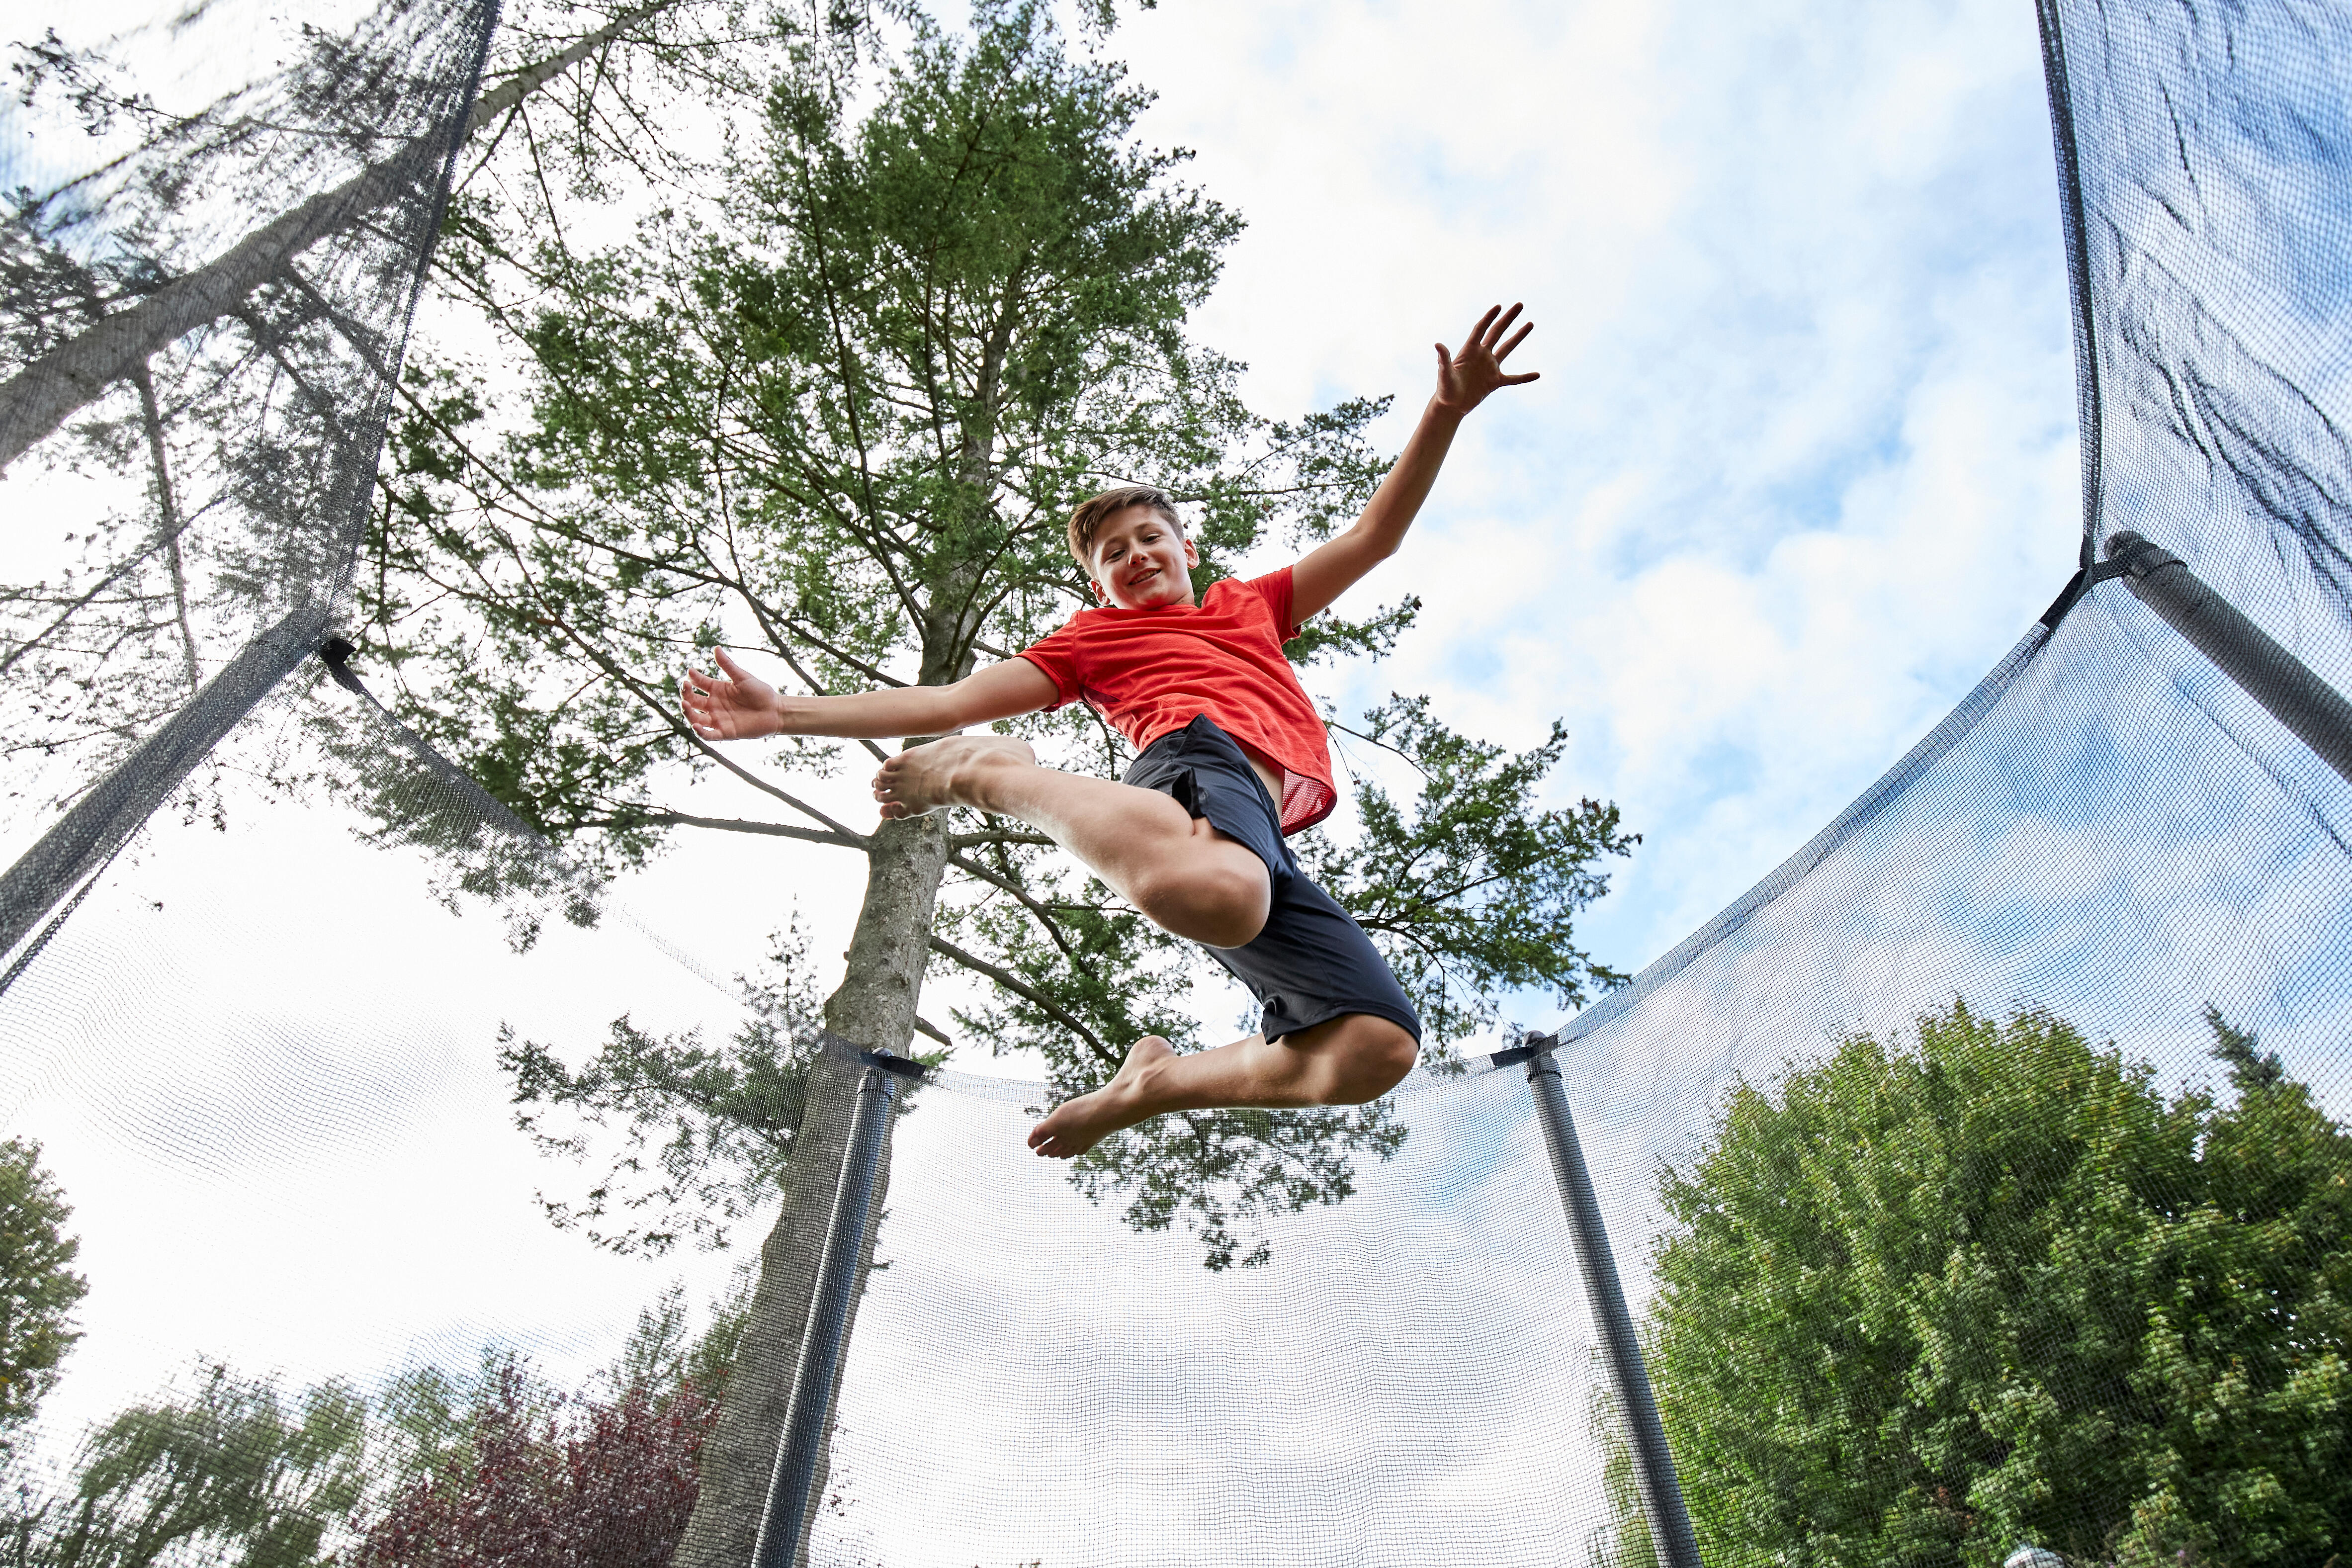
<point x="841" y="413"/>
<point x="664" y="1354"/>
<point x="705" y="1131"/>
<point x="1925" y="1301"/>
<point x="1478" y="890"/>
<point x="236" y="1474"/>
<point x="422" y="1422"/>
<point x="2249" y="1068"/>
<point x="38" y="1289"/>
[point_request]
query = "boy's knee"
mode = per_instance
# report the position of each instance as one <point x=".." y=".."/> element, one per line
<point x="1219" y="904"/>
<point x="1375" y="1061"/>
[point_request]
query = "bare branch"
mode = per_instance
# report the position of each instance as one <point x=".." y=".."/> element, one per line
<point x="727" y="824"/>
<point x="1029" y="994"/>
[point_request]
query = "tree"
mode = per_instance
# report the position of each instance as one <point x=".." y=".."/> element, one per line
<point x="238" y="1473"/>
<point x="1927" y="1300"/>
<point x="438" y="1466"/>
<point x="706" y="1131"/>
<point x="607" y="1484"/>
<point x="38" y="1289"/>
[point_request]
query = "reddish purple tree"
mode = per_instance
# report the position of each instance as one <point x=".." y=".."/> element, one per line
<point x="589" y="1486"/>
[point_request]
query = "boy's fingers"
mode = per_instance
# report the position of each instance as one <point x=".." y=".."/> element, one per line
<point x="1478" y="332"/>
<point x="1522" y="380"/>
<point x="1516" y="339"/>
<point x="1503" y="325"/>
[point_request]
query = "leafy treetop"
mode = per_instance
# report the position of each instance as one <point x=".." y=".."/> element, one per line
<point x="1930" y="1299"/>
<point x="38" y="1289"/>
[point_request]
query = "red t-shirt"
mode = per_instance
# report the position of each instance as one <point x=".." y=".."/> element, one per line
<point x="1150" y="671"/>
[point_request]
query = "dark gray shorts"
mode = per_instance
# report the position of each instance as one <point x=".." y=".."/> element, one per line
<point x="1312" y="962"/>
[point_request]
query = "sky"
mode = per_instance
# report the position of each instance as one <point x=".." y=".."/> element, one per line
<point x="1801" y="468"/>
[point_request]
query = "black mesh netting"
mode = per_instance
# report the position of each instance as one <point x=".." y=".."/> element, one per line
<point x="215" y="234"/>
<point x="1973" y="1179"/>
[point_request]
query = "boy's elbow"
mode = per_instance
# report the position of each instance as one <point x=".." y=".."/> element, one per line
<point x="1376" y="544"/>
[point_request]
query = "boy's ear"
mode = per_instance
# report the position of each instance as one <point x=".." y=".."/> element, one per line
<point x="1191" y="551"/>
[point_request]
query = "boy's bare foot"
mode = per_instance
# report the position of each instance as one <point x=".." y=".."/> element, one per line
<point x="945" y="773"/>
<point x="1078" y="1125"/>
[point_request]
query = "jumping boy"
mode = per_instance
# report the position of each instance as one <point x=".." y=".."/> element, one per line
<point x="1231" y="760"/>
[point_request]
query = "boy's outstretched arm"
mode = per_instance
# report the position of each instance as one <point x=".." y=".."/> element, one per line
<point x="1464" y="380"/>
<point x="733" y="704"/>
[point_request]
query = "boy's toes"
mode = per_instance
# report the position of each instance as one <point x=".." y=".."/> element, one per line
<point x="1050" y="1137"/>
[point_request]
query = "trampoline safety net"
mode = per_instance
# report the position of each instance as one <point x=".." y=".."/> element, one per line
<point x="1978" y="1183"/>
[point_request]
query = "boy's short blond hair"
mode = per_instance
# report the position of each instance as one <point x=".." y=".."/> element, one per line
<point x="1092" y="513"/>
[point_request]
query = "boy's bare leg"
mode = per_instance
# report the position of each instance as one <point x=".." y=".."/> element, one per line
<point x="1348" y="1060"/>
<point x="1184" y="875"/>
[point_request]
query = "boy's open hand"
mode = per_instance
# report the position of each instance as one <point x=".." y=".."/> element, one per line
<point x="1464" y="380"/>
<point x="735" y="705"/>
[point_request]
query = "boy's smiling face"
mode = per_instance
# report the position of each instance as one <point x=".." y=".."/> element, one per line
<point x="1142" y="561"/>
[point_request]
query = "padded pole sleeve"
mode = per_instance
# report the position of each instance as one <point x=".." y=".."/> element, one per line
<point x="80" y="842"/>
<point x="1628" y="1380"/>
<point x="2296" y="697"/>
<point x="802" y="1442"/>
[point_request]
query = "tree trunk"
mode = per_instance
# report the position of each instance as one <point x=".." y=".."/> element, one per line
<point x="874" y="1008"/>
<point x="46" y="393"/>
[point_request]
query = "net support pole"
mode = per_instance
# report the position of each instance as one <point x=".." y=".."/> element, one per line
<point x="80" y="842"/>
<point x="2314" y="711"/>
<point x="785" y="1516"/>
<point x="1628" y="1379"/>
